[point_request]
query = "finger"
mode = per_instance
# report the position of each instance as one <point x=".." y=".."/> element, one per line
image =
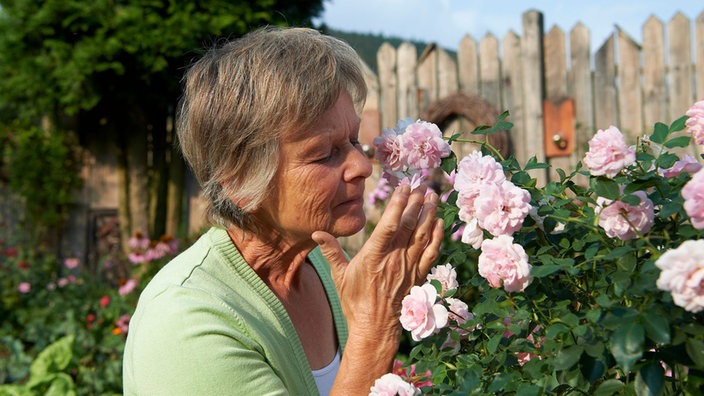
<point x="389" y="221"/>
<point x="332" y="251"/>
<point x="410" y="217"/>
<point x="424" y="229"/>
<point x="432" y="250"/>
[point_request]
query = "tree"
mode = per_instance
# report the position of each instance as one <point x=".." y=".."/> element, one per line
<point x="109" y="71"/>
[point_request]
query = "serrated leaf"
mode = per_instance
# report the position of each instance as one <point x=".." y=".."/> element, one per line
<point x="449" y="164"/>
<point x="680" y="141"/>
<point x="678" y="124"/>
<point x="607" y="188"/>
<point x="568" y="357"/>
<point x="649" y="380"/>
<point x="660" y="133"/>
<point x="656" y="327"/>
<point x="627" y="343"/>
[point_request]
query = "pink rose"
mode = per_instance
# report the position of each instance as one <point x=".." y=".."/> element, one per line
<point x="391" y="385"/>
<point x="504" y="262"/>
<point x="420" y="314"/>
<point x="608" y="153"/>
<point x="424" y="146"/>
<point x="683" y="274"/>
<point x="388" y="150"/>
<point x="693" y="194"/>
<point x="501" y="209"/>
<point x="695" y="122"/>
<point x="623" y="221"/>
<point x="687" y="164"/>
<point x="24" y="287"/>
<point x="446" y="275"/>
<point x="476" y="169"/>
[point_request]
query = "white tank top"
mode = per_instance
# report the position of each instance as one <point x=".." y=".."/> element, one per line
<point x="325" y="376"/>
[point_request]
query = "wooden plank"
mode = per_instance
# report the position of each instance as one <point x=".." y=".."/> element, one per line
<point x="512" y="92"/>
<point x="447" y="74"/>
<point x="680" y="56"/>
<point x="605" y="113"/>
<point x="370" y="126"/>
<point x="489" y="80"/>
<point x="533" y="88"/>
<point x="407" y="87"/>
<point x="555" y="64"/>
<point x="427" y="75"/>
<point x="580" y="78"/>
<point x="630" y="101"/>
<point x="468" y="65"/>
<point x="654" y="81"/>
<point x="386" y="67"/>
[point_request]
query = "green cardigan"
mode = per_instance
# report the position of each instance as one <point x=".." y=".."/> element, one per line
<point x="208" y="325"/>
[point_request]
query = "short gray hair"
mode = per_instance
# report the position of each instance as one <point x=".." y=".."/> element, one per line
<point x="239" y="99"/>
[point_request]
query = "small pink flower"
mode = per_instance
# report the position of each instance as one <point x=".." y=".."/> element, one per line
<point x="623" y="221"/>
<point x="424" y="146"/>
<point x="695" y="122"/>
<point x="24" y="287"/>
<point x="501" y="208"/>
<point x="446" y="275"/>
<point x="71" y="263"/>
<point x="391" y="385"/>
<point x="104" y="301"/>
<point x="62" y="282"/>
<point x="459" y="311"/>
<point x="476" y="169"/>
<point x="139" y="242"/>
<point x="504" y="262"/>
<point x="380" y="193"/>
<point x="123" y="323"/>
<point x="608" y="153"/>
<point x="687" y="164"/>
<point x="683" y="274"/>
<point x="128" y="287"/>
<point x="421" y="314"/>
<point x="693" y="194"/>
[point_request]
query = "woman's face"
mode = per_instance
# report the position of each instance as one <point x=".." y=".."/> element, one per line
<point x="320" y="181"/>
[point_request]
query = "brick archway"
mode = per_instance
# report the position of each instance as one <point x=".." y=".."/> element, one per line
<point x="475" y="110"/>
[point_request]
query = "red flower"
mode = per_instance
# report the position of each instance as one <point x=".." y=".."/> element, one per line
<point x="104" y="301"/>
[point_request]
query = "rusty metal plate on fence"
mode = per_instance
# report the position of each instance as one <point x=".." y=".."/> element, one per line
<point x="559" y="127"/>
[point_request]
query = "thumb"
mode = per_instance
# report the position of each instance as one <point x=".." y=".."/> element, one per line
<point x="331" y="249"/>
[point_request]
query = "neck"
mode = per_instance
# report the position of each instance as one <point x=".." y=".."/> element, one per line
<point x="277" y="260"/>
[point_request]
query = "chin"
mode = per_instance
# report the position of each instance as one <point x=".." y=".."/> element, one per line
<point x="347" y="227"/>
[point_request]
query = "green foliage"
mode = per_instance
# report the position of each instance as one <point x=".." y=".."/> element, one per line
<point x="593" y="320"/>
<point x="43" y="169"/>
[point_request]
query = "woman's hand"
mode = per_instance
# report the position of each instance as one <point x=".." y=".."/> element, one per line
<point x="398" y="255"/>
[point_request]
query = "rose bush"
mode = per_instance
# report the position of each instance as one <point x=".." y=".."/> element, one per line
<point x="562" y="288"/>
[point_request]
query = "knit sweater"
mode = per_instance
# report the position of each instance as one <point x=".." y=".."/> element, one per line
<point x="208" y="325"/>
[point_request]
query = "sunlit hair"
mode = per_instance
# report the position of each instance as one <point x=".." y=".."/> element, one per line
<point x="239" y="99"/>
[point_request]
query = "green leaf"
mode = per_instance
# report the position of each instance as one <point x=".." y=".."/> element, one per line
<point x="650" y="379"/>
<point x="568" y="357"/>
<point x="609" y="387"/>
<point x="627" y="344"/>
<point x="678" y="124"/>
<point x="544" y="270"/>
<point x="680" y="141"/>
<point x="53" y="359"/>
<point x="695" y="350"/>
<point x="657" y="327"/>
<point x="660" y="133"/>
<point x="449" y="164"/>
<point x="528" y="390"/>
<point x="605" y="187"/>
<point x="493" y="343"/>
<point x="534" y="164"/>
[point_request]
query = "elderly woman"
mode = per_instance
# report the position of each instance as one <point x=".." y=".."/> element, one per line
<point x="266" y="302"/>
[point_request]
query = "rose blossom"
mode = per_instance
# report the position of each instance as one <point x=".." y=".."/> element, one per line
<point x="424" y="146"/>
<point x="388" y="150"/>
<point x="501" y="209"/>
<point x="695" y="122"/>
<point x="391" y="385"/>
<point x="623" y="221"/>
<point x="446" y="275"/>
<point x="687" y="164"/>
<point x="504" y="262"/>
<point x="693" y="194"/>
<point x="420" y="314"/>
<point x="608" y="153"/>
<point x="683" y="274"/>
<point x="476" y="169"/>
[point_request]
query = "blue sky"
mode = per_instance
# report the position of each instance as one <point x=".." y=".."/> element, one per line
<point x="447" y="21"/>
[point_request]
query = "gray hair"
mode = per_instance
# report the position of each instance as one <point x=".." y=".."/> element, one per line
<point x="239" y="99"/>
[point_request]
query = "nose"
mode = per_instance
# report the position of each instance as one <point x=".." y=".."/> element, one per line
<point x="357" y="165"/>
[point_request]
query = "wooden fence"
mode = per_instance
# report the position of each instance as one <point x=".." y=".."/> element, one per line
<point x="557" y="93"/>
